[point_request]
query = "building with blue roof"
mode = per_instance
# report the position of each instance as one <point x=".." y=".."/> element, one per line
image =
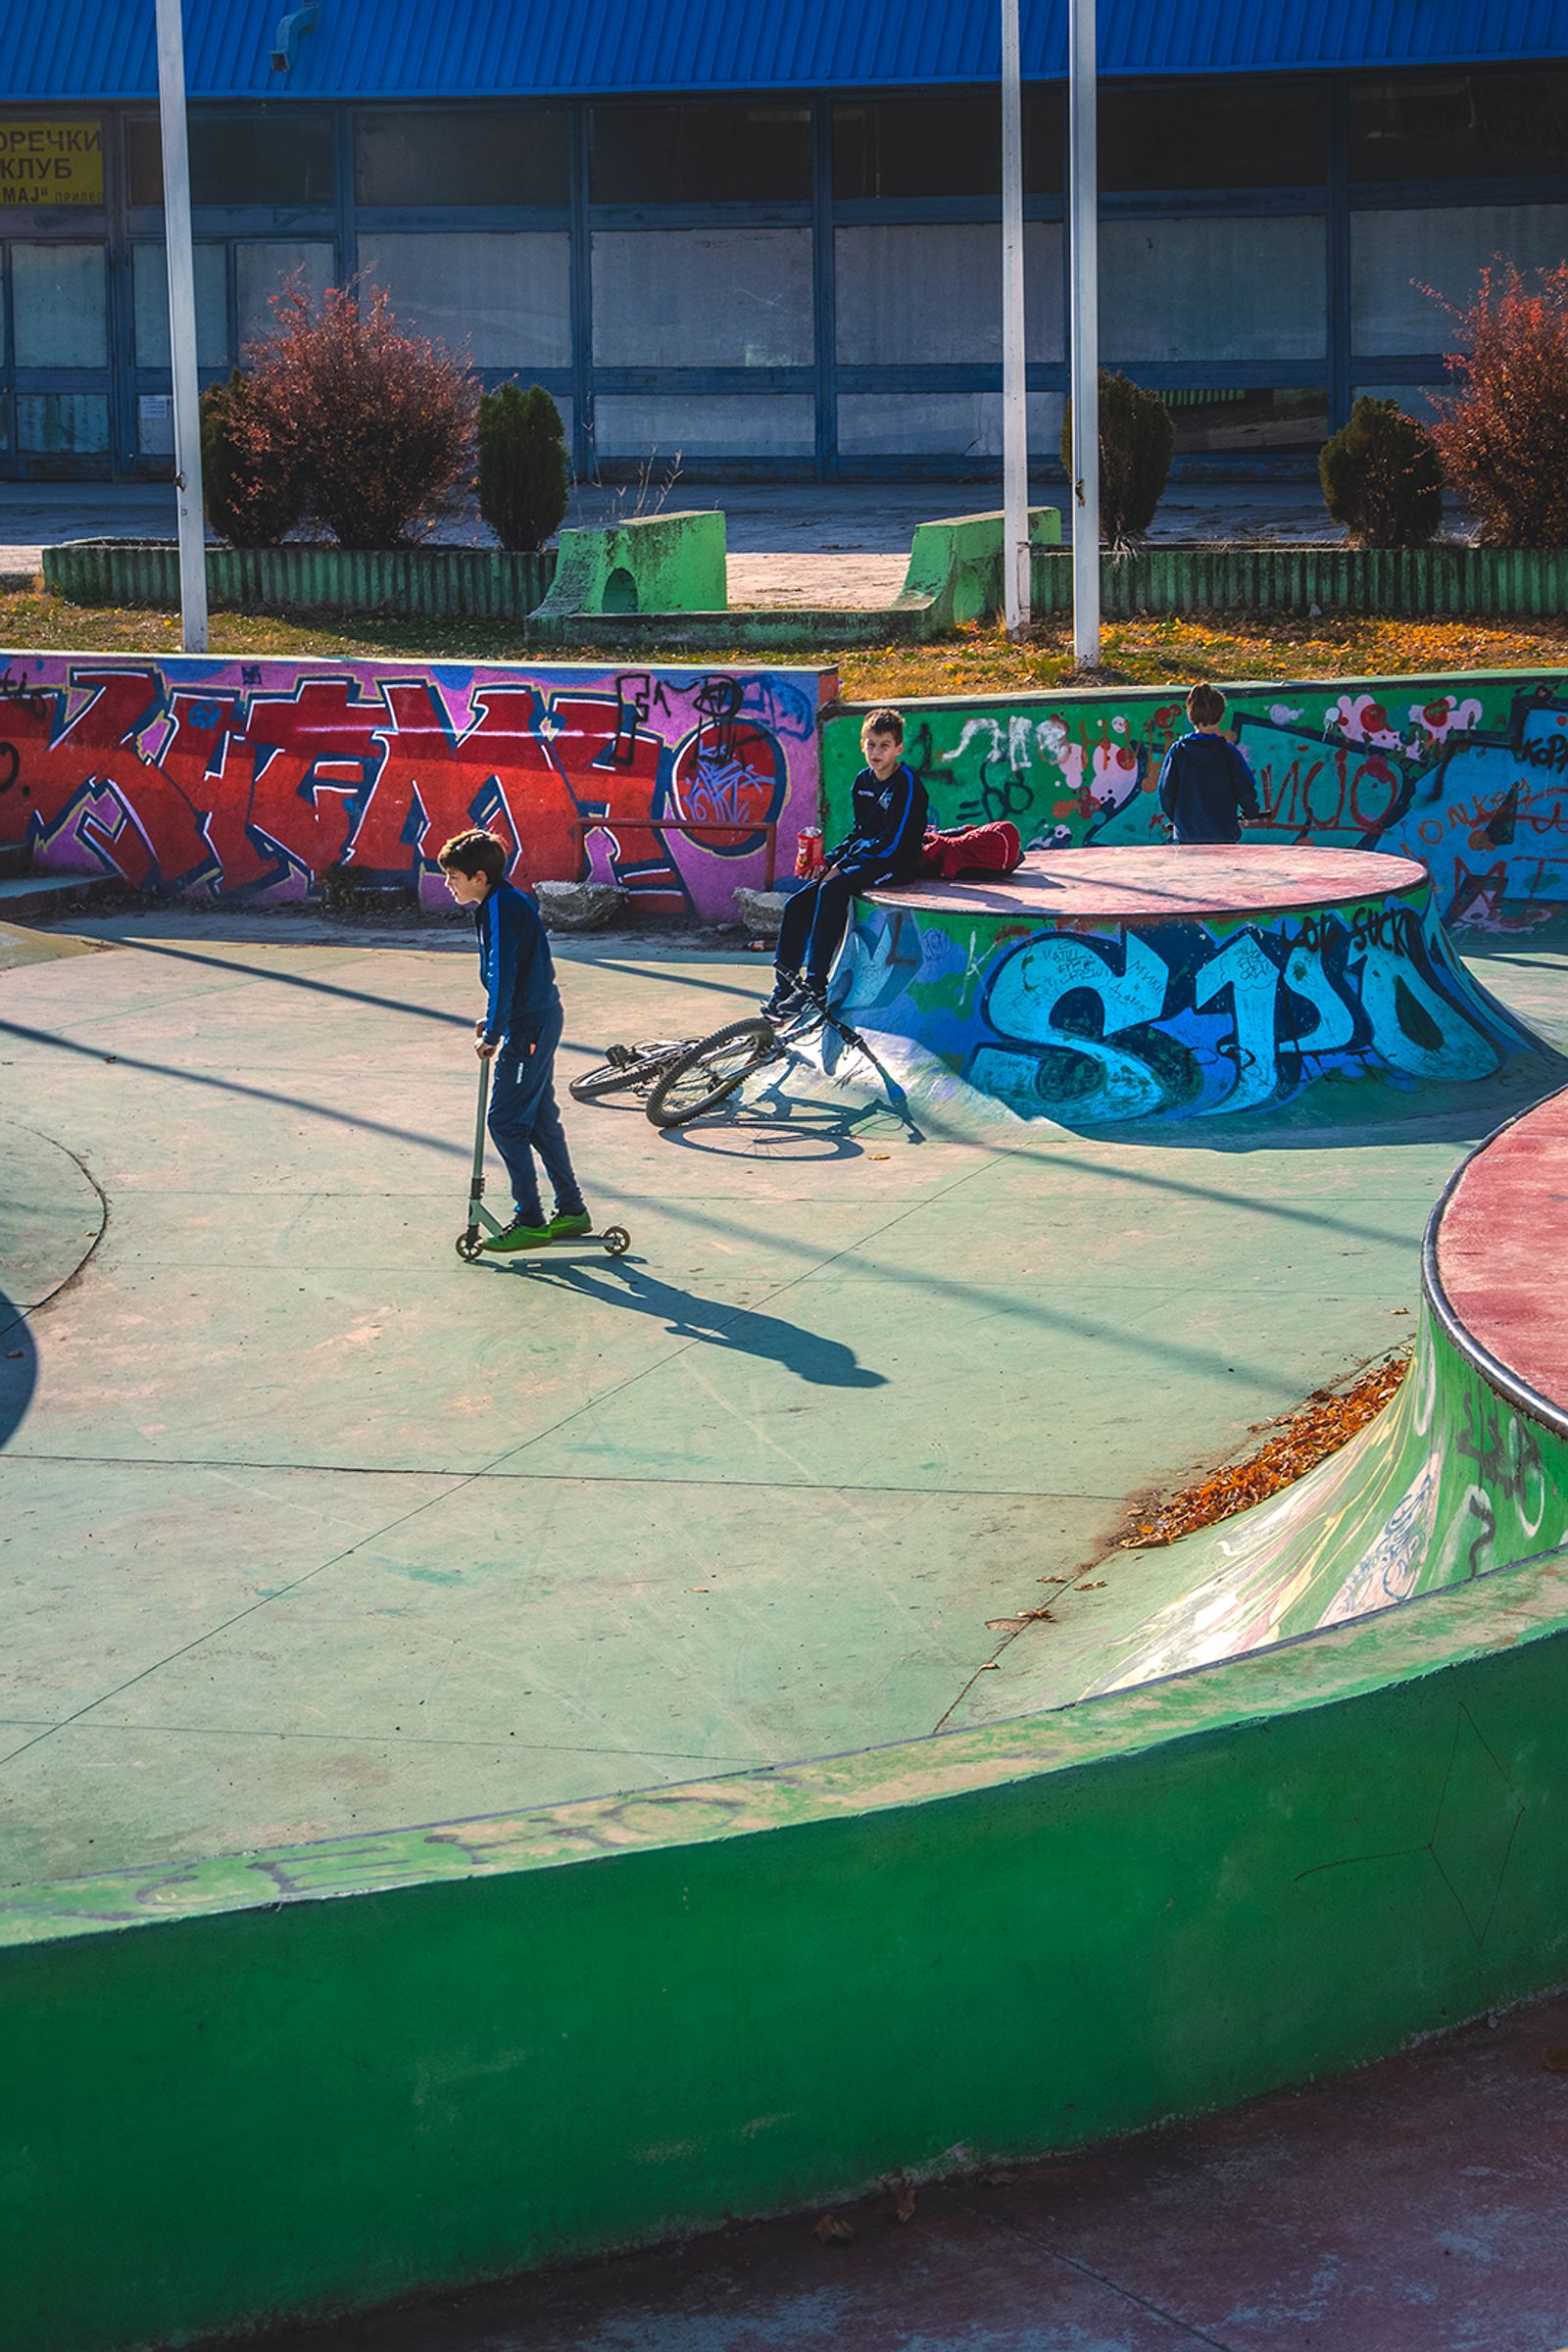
<point x="766" y="239"/>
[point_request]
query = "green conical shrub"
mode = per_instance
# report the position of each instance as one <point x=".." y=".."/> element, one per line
<point x="1136" y="440"/>
<point x="524" y="474"/>
<point x="1382" y="478"/>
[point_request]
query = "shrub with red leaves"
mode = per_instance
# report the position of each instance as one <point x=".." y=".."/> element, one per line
<point x="1503" y="434"/>
<point x="376" y="425"/>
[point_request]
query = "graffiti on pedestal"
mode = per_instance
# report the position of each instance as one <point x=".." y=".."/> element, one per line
<point x="253" y="780"/>
<point x="1178" y="1017"/>
<point x="1469" y="774"/>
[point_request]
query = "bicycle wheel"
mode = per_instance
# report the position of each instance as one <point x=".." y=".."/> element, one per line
<point x="710" y="1071"/>
<point x="625" y="1067"/>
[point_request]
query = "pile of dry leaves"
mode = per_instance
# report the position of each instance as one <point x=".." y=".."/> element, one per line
<point x="1303" y="1439"/>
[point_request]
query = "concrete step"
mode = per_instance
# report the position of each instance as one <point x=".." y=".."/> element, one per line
<point x="25" y="898"/>
<point x="16" y="858"/>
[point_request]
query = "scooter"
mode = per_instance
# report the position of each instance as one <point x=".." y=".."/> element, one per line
<point x="470" y="1240"/>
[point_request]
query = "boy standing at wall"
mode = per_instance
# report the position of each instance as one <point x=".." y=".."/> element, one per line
<point x="1205" y="786"/>
<point x="520" y="1030"/>
<point x="883" y="844"/>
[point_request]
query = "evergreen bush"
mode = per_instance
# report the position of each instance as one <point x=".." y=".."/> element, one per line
<point x="524" y="474"/>
<point x="1136" y="440"/>
<point x="1381" y="477"/>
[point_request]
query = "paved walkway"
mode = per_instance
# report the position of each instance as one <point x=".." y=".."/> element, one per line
<point x="1419" y="2206"/>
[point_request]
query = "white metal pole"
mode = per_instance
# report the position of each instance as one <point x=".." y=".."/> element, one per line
<point x="1014" y="388"/>
<point x="1083" y="231"/>
<point x="183" y="325"/>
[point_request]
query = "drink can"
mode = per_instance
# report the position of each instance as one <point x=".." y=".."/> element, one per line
<point x="808" y="853"/>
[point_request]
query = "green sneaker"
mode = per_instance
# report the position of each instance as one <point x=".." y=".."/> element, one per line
<point x="566" y="1224"/>
<point x="518" y="1236"/>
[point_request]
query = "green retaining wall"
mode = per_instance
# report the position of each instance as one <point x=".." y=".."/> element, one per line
<point x="957" y="571"/>
<point x="1465" y="770"/>
<point x="458" y="583"/>
<point x="653" y="563"/>
<point x="1169" y="577"/>
<point x="230" y="2095"/>
<point x="955" y="576"/>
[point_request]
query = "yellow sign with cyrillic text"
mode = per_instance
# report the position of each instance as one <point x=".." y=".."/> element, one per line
<point x="51" y="163"/>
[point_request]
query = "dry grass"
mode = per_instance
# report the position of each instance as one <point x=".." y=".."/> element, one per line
<point x="1328" y="1420"/>
<point x="980" y="661"/>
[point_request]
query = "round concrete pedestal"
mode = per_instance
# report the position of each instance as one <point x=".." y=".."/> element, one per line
<point x="1110" y="984"/>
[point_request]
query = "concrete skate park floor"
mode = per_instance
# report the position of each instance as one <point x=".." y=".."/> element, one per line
<point x="308" y="1529"/>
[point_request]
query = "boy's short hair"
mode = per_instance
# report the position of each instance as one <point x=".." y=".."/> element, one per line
<point x="476" y="853"/>
<point x="1206" y="705"/>
<point x="886" y="721"/>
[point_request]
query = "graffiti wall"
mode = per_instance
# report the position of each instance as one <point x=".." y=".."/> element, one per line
<point x="1100" y="1021"/>
<point x="1469" y="774"/>
<point x="251" y="780"/>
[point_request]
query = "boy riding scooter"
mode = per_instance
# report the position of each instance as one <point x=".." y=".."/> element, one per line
<point x="518" y="1033"/>
<point x="884" y="845"/>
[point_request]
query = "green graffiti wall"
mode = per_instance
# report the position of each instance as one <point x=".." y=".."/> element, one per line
<point x="1468" y="773"/>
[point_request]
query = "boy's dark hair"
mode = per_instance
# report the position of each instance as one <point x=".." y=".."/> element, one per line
<point x="886" y="721"/>
<point x="1206" y="705"/>
<point x="477" y="853"/>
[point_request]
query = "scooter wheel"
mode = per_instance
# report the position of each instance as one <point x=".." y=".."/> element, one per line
<point x="468" y="1244"/>
<point x="617" y="1241"/>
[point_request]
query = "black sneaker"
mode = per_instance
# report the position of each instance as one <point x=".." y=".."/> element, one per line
<point x="787" y="999"/>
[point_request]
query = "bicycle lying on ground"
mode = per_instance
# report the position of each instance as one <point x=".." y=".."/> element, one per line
<point x="679" y="1078"/>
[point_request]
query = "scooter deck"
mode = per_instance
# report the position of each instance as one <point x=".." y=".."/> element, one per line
<point x="615" y="1239"/>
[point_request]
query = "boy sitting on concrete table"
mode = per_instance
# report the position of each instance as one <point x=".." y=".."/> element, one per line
<point x="884" y="845"/>
<point x="520" y="1030"/>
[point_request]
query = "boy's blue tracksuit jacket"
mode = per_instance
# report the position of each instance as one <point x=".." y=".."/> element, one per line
<point x="887" y="826"/>
<point x="1206" y="789"/>
<point x="516" y="967"/>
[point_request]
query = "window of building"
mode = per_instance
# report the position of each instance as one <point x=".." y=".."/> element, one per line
<point x="943" y="146"/>
<point x="503" y="297"/>
<point x="916" y="293"/>
<point x="434" y="155"/>
<point x="1420" y="401"/>
<point x="1247" y="419"/>
<point x="149" y="286"/>
<point x="263" y="269"/>
<point x="60" y="306"/>
<point x="1260" y="131"/>
<point x="1395" y="257"/>
<point x="62" y="424"/>
<point x="940" y="424"/>
<point x="1210" y="287"/>
<point x="273" y="156"/>
<point x="702" y="153"/>
<point x="1509" y="122"/>
<point x="703" y="298"/>
<point x="664" y="428"/>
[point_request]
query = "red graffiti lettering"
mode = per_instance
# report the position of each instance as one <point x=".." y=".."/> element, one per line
<point x="433" y="783"/>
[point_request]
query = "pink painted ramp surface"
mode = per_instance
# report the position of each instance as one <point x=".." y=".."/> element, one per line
<point x="1146" y="885"/>
<point x="1502" y="1251"/>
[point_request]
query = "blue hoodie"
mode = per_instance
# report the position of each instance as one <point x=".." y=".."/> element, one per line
<point x="1206" y="789"/>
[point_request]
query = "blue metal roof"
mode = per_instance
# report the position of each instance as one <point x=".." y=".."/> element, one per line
<point x="104" y="49"/>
